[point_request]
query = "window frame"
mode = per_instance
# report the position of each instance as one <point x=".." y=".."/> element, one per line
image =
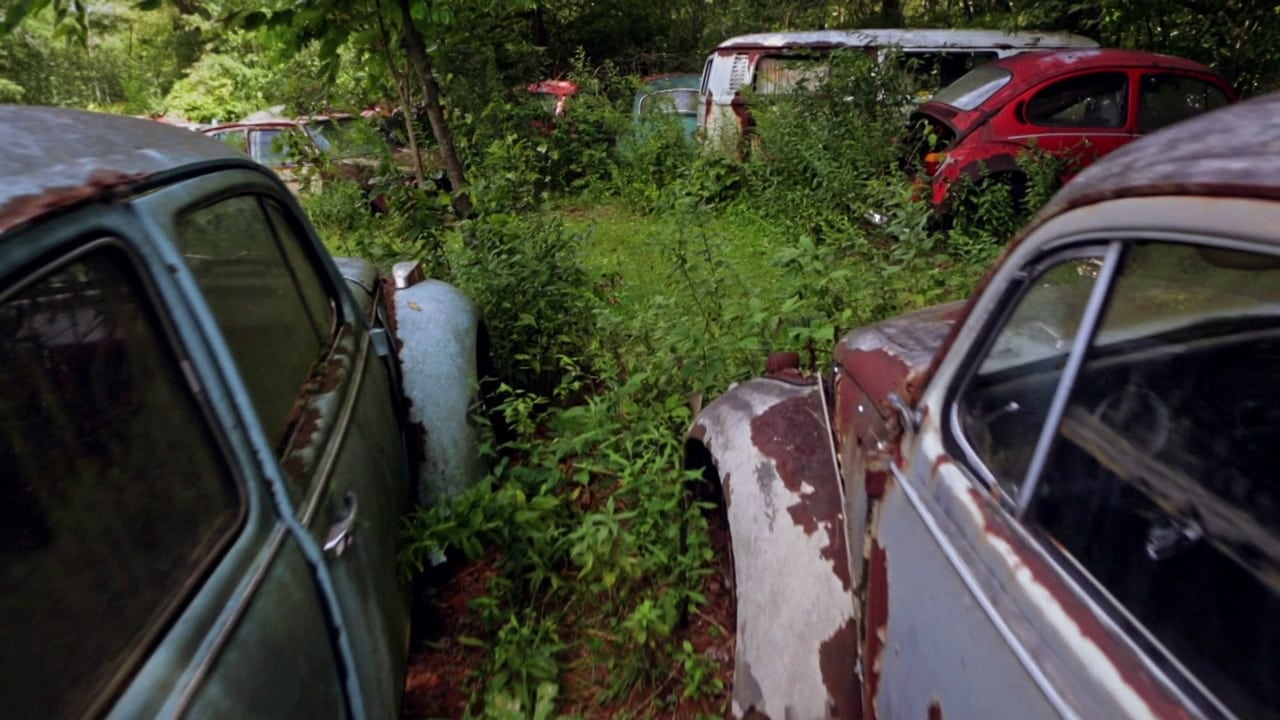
<point x="70" y="245"/>
<point x="1140" y="96"/>
<point x="1126" y="98"/>
<point x="163" y="209"/>
<point x="956" y="443"/>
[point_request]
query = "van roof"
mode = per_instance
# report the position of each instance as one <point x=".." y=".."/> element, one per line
<point x="913" y="38"/>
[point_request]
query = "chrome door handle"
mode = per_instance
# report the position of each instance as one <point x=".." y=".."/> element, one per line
<point x="342" y="533"/>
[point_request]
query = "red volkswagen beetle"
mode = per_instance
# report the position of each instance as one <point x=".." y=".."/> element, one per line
<point x="1077" y="105"/>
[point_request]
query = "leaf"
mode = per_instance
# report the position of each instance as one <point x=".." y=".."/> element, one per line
<point x="147" y="5"/>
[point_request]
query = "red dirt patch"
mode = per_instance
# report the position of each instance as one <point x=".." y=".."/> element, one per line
<point x="443" y="672"/>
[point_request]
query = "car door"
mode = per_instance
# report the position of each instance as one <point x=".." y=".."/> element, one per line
<point x="1079" y="118"/>
<point x="145" y="570"/>
<point x="1096" y="526"/>
<point x="324" y="403"/>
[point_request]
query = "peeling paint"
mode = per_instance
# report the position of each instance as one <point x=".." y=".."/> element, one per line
<point x="802" y="460"/>
<point x="876" y="623"/>
<point x="100" y="185"/>
<point x="838" y="658"/>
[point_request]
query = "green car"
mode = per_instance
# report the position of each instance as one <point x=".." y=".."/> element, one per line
<point x="671" y="93"/>
<point x="212" y="431"/>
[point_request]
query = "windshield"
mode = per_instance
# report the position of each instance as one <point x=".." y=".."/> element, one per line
<point x="974" y="88"/>
<point x="680" y="102"/>
<point x="344" y="137"/>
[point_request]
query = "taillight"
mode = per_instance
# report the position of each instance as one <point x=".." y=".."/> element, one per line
<point x="933" y="162"/>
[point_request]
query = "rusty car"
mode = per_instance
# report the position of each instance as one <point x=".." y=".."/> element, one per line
<point x="1072" y="105"/>
<point x="304" y="150"/>
<point x="212" y="429"/>
<point x="1054" y="499"/>
<point x="772" y="63"/>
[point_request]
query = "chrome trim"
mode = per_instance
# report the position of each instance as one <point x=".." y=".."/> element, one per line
<point x="319" y="479"/>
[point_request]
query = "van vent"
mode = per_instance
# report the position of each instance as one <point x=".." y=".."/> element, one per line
<point x="738" y="72"/>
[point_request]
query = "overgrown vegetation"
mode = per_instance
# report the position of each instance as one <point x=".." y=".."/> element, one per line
<point x="620" y="287"/>
<point x="626" y="277"/>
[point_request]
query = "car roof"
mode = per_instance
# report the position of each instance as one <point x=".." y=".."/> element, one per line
<point x="55" y="157"/>
<point x="924" y="38"/>
<point x="1230" y="152"/>
<point x="1036" y="65"/>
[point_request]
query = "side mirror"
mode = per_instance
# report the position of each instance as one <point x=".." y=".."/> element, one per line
<point x="1020" y="111"/>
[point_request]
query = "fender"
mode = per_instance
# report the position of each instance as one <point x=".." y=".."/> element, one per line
<point x="437" y="338"/>
<point x="796" y="650"/>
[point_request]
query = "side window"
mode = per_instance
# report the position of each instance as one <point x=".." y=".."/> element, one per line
<point x="1097" y="100"/>
<point x="1166" y="99"/>
<point x="1160" y="475"/>
<point x="234" y="138"/>
<point x="1162" y="479"/>
<point x="1003" y="408"/>
<point x="271" y="147"/>
<point x="264" y="297"/>
<point x="114" y="498"/>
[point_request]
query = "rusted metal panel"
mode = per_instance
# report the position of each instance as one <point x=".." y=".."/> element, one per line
<point x="55" y="158"/>
<point x="796" y="634"/>
<point x="436" y="328"/>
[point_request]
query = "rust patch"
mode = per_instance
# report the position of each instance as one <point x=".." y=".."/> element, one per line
<point x="1132" y="671"/>
<point x="838" y="660"/>
<point x="101" y="185"/>
<point x="877" y="624"/>
<point x="793" y="435"/>
<point x="935" y="711"/>
<point x="877" y="480"/>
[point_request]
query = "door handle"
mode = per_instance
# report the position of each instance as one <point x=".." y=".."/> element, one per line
<point x="342" y="533"/>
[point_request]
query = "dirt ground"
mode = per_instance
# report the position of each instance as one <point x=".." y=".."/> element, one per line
<point x="443" y="672"/>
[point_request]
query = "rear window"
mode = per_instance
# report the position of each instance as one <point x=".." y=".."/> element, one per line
<point x="975" y="88"/>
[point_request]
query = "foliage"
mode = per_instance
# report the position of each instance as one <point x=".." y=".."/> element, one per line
<point x="526" y="274"/>
<point x="624" y="275"/>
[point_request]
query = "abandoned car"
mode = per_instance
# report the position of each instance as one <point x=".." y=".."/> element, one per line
<point x="1055" y="499"/>
<point x="212" y="431"/>
<point x="1075" y="105"/>
<point x="772" y="63"/>
<point x="347" y="146"/>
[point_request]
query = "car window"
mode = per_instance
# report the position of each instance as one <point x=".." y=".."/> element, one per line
<point x="1004" y="406"/>
<point x="974" y="88"/>
<point x="114" y="498"/>
<point x="778" y="74"/>
<point x="234" y="138"/>
<point x="261" y="293"/>
<point x="932" y="70"/>
<point x="1096" y="100"/>
<point x="271" y="147"/>
<point x="1166" y="99"/>
<point x="1161" y="481"/>
<point x="679" y="102"/>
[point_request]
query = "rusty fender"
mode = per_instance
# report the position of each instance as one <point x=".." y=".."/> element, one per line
<point x="796" y="650"/>
<point x="436" y="329"/>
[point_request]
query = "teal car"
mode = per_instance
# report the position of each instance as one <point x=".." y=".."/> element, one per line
<point x="212" y="430"/>
<point x="670" y="93"/>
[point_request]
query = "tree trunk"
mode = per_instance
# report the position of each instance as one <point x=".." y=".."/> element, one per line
<point x="406" y="100"/>
<point x="421" y="62"/>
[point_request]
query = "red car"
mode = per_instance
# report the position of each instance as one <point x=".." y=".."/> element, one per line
<point x="1077" y="105"/>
